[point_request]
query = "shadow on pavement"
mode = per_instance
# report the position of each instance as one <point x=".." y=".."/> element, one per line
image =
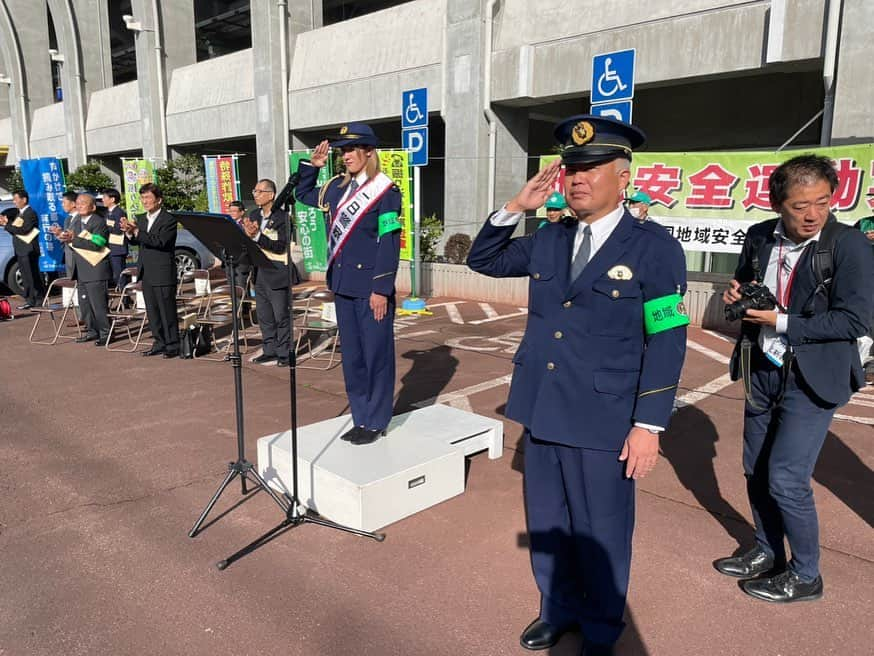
<point x="429" y="374"/>
<point x="842" y="471"/>
<point x="689" y="445"/>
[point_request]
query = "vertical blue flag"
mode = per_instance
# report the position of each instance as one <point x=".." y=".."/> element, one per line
<point x="44" y="182"/>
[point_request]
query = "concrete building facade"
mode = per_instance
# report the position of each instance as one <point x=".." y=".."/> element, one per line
<point x="711" y="74"/>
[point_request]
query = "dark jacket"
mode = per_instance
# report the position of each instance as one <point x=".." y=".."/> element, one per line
<point x="156" y="261"/>
<point x="822" y="334"/>
<point x="83" y="271"/>
<point x="274" y="276"/>
<point x="113" y="222"/>
<point x="30" y="221"/>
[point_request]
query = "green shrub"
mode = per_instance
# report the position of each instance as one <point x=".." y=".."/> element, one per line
<point x="89" y="177"/>
<point x="183" y="182"/>
<point x="431" y="230"/>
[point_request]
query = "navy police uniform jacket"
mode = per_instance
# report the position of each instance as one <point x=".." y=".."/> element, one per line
<point x="822" y="328"/>
<point x="367" y="263"/>
<point x="113" y="222"/>
<point x="586" y="369"/>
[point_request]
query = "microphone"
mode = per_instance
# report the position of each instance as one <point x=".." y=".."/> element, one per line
<point x="284" y="198"/>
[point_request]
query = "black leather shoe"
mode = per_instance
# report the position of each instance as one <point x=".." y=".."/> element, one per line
<point x="352" y="433"/>
<point x="749" y="565"/>
<point x="540" y="635"/>
<point x="85" y="338"/>
<point x="367" y="436"/>
<point x="594" y="649"/>
<point x="151" y="352"/>
<point x="25" y="306"/>
<point x="170" y="354"/>
<point x="102" y="341"/>
<point x="261" y="359"/>
<point x="282" y="362"/>
<point x="784" y="588"/>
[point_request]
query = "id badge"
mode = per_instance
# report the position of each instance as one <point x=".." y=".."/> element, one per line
<point x="776" y="351"/>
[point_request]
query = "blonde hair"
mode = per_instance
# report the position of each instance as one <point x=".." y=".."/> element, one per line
<point x="371" y="167"/>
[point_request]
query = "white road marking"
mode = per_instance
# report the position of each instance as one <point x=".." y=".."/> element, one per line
<point x="522" y="312"/>
<point x="489" y="310"/>
<point x="433" y="305"/>
<point x="454" y="314"/>
<point x="717" y="335"/>
<point x="701" y="393"/>
<point x="857" y="420"/>
<point x="415" y="334"/>
<point x="710" y="353"/>
<point x="451" y="397"/>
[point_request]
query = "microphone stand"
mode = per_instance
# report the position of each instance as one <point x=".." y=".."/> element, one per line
<point x="295" y="513"/>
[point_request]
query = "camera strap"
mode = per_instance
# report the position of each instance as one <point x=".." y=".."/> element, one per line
<point x="746" y="357"/>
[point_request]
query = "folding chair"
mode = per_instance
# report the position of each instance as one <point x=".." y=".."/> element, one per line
<point x="219" y="314"/>
<point x="324" y="327"/>
<point x="49" y="308"/>
<point x="116" y="295"/>
<point x="128" y="317"/>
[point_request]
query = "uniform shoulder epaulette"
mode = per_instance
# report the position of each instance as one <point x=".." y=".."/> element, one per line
<point x="323" y="191"/>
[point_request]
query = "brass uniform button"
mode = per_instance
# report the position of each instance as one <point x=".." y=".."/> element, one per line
<point x="550" y="365"/>
<point x="357" y="266"/>
<point x="558" y="334"/>
<point x="536" y="276"/>
<point x="567" y="304"/>
<point x="615" y="293"/>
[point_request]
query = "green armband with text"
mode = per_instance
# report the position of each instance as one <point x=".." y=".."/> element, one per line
<point x="98" y="240"/>
<point x="388" y="222"/>
<point x="664" y="313"/>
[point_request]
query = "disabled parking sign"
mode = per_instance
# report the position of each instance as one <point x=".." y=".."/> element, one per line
<point x="613" y="77"/>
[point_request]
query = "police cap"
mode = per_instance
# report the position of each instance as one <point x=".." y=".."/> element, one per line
<point x="588" y="139"/>
<point x="355" y="134"/>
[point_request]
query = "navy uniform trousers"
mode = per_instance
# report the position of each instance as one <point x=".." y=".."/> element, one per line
<point x="781" y="445"/>
<point x="368" y="360"/>
<point x="580" y="513"/>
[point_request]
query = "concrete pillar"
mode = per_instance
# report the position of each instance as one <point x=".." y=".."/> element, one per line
<point x="30" y="20"/>
<point x="177" y="28"/>
<point x="151" y="79"/>
<point x="72" y="80"/>
<point x="854" y="93"/>
<point x="93" y="19"/>
<point x="466" y="179"/>
<point x="5" y="92"/>
<point x="15" y="92"/>
<point x="512" y="153"/>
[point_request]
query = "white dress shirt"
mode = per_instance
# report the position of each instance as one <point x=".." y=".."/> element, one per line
<point x="150" y="220"/>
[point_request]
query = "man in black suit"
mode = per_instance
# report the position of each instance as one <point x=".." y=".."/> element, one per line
<point x="26" y="248"/>
<point x="267" y="226"/>
<point x="800" y="364"/>
<point x="86" y="231"/>
<point x="117" y="242"/>
<point x="155" y="233"/>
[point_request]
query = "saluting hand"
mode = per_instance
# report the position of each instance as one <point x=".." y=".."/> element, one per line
<point x="537" y="190"/>
<point x="640" y="453"/>
<point x="320" y="155"/>
<point x="379" y="306"/>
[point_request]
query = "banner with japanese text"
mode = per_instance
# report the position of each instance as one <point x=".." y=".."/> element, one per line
<point x="310" y="222"/>
<point x="222" y="182"/>
<point x="396" y="165"/>
<point x="45" y="185"/>
<point x="708" y="200"/>
<point x="136" y="173"/>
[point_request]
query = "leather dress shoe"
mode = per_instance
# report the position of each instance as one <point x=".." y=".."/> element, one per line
<point x="85" y="338"/>
<point x="170" y="354"/>
<point x="151" y="352"/>
<point x="367" y="436"/>
<point x="540" y="635"/>
<point x="595" y="649"/>
<point x="101" y="341"/>
<point x="749" y="565"/>
<point x="282" y="362"/>
<point x="261" y="359"/>
<point x="784" y="588"/>
<point x="352" y="433"/>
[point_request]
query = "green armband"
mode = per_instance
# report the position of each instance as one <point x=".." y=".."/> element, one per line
<point x="98" y="241"/>
<point x="388" y="222"/>
<point x="664" y="313"/>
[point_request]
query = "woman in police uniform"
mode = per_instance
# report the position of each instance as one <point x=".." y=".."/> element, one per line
<point x="362" y="207"/>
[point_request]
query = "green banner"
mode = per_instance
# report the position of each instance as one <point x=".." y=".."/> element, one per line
<point x="136" y="173"/>
<point x="310" y="221"/>
<point x="708" y="200"/>
<point x="396" y="165"/>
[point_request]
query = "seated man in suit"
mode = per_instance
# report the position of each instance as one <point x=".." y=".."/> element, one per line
<point x="800" y="364"/>
<point x="155" y="233"/>
<point x="26" y="248"/>
<point x="87" y="231"/>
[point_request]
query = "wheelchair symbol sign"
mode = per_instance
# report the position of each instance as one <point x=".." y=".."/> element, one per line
<point x="613" y="76"/>
<point x="414" y="112"/>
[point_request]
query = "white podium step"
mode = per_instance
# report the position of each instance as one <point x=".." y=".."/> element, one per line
<point x="419" y="463"/>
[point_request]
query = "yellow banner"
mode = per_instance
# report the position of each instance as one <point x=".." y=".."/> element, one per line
<point x="396" y="165"/>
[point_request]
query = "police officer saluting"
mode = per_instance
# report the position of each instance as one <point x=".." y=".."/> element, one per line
<point x="364" y="249"/>
<point x="799" y="363"/>
<point x="594" y="377"/>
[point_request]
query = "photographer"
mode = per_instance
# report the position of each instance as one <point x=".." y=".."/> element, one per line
<point x="799" y="363"/>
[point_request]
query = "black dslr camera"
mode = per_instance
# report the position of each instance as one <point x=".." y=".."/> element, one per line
<point x="754" y="296"/>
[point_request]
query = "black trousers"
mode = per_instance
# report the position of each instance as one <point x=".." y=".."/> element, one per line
<point x="273" y="318"/>
<point x="34" y="289"/>
<point x="94" y="305"/>
<point x="161" y="311"/>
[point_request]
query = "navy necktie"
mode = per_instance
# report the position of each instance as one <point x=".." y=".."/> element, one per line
<point x="353" y="186"/>
<point x="582" y="257"/>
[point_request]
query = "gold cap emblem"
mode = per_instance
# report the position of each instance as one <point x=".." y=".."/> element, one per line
<point x="582" y="133"/>
<point x="344" y="129"/>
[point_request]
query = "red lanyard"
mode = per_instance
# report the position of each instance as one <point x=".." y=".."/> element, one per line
<point x="784" y="294"/>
